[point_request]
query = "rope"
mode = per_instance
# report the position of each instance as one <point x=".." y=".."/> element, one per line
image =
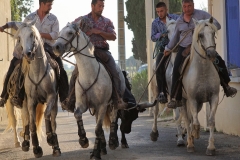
<point x="161" y="62"/>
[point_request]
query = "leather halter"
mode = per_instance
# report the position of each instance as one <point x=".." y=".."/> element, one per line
<point x="75" y="51"/>
<point x="205" y="49"/>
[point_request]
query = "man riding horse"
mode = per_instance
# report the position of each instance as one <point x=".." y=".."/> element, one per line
<point x="158" y="33"/>
<point x="100" y="29"/>
<point x="185" y="24"/>
<point x="48" y="26"/>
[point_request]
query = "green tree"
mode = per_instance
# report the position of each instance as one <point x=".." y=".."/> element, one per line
<point x="136" y="22"/>
<point x="175" y="6"/>
<point x="20" y="8"/>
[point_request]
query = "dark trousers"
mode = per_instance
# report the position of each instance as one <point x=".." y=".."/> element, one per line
<point x="160" y="74"/>
<point x="106" y="58"/>
<point x="63" y="80"/>
<point x="220" y="63"/>
<point x="4" y="93"/>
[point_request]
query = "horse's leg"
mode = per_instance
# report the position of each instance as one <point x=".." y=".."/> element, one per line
<point x="187" y="121"/>
<point x="211" y="122"/>
<point x="113" y="138"/>
<point x="51" y="129"/>
<point x="180" y="135"/>
<point x="50" y="123"/>
<point x="25" y="132"/>
<point x="193" y="106"/>
<point x="12" y="122"/>
<point x="37" y="150"/>
<point x="154" y="134"/>
<point x="96" y="154"/>
<point x="83" y="140"/>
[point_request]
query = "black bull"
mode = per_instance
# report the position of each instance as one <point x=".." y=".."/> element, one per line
<point x="126" y="116"/>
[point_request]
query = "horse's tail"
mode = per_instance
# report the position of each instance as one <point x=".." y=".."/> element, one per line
<point x="107" y="121"/>
<point x="39" y="119"/>
<point x="13" y="116"/>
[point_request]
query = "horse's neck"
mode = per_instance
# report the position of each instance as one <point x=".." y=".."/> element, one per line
<point x="199" y="60"/>
<point x="87" y="66"/>
<point x="39" y="65"/>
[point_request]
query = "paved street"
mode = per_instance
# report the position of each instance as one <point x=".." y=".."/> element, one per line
<point x="141" y="147"/>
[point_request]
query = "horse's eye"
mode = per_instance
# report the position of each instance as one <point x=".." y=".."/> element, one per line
<point x="200" y="35"/>
<point x="70" y="33"/>
<point x="31" y="35"/>
<point x="18" y="39"/>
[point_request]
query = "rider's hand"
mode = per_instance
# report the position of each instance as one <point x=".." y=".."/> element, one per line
<point x="166" y="53"/>
<point x="95" y="31"/>
<point x="1" y="29"/>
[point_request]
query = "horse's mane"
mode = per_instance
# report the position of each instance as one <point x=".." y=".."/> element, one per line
<point x="201" y="24"/>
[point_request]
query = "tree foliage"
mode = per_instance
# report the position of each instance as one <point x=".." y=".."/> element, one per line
<point x="136" y="22"/>
<point x="175" y="6"/>
<point x="20" y="8"/>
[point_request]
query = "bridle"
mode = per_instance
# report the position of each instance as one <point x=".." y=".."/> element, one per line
<point x="203" y="48"/>
<point x="75" y="51"/>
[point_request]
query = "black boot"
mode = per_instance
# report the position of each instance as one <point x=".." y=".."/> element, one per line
<point x="229" y="91"/>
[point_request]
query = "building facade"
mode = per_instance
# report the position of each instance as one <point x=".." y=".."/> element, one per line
<point x="6" y="47"/>
<point x="227" y="12"/>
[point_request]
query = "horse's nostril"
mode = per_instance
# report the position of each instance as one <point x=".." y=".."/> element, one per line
<point x="57" y="47"/>
<point x="29" y="53"/>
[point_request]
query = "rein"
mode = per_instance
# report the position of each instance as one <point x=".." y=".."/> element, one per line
<point x="37" y="84"/>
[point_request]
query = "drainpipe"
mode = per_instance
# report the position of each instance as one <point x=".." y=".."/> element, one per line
<point x="210" y="7"/>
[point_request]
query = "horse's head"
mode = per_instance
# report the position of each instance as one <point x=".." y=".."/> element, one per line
<point x="171" y="24"/>
<point x="65" y="41"/>
<point x="28" y="38"/>
<point x="204" y="34"/>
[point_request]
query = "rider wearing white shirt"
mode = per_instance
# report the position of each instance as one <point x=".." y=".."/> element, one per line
<point x="48" y="27"/>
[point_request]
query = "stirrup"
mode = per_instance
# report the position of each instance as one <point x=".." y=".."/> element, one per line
<point x="173" y="104"/>
<point x="65" y="105"/>
<point x="231" y="92"/>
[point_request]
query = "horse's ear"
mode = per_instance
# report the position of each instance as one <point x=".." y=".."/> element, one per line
<point x="33" y="22"/>
<point x="195" y="21"/>
<point x="18" y="24"/>
<point x="211" y="20"/>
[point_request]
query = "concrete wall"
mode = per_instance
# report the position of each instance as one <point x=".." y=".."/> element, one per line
<point x="6" y="47"/>
<point x="228" y="112"/>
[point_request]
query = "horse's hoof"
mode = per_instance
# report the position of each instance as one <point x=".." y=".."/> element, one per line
<point x="103" y="151"/>
<point x="37" y="152"/>
<point x="125" y="145"/>
<point x="95" y="155"/>
<point x="17" y="145"/>
<point x="154" y="136"/>
<point x="180" y="143"/>
<point x="190" y="149"/>
<point x="84" y="142"/>
<point x="113" y="141"/>
<point x="56" y="152"/>
<point x="25" y="146"/>
<point x="210" y="152"/>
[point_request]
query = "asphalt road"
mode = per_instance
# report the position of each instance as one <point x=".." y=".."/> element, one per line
<point x="141" y="146"/>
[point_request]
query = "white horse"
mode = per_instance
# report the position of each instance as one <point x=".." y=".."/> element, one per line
<point x="93" y="87"/>
<point x="201" y="83"/>
<point x="40" y="84"/>
<point x="160" y="108"/>
<point x="15" y="115"/>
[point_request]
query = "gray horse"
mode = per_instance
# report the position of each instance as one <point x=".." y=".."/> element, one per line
<point x="40" y="86"/>
<point x="201" y="83"/>
<point x="160" y="108"/>
<point x="93" y="87"/>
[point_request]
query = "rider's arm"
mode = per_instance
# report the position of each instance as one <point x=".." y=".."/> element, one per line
<point x="154" y="32"/>
<point x="53" y="35"/>
<point x="9" y="25"/>
<point x="108" y="34"/>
